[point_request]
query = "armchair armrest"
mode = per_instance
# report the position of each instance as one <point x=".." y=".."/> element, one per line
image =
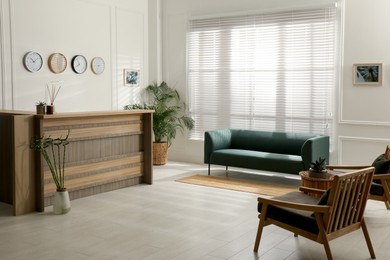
<point x="311" y="190"/>
<point x="293" y="205"/>
<point x="381" y="176"/>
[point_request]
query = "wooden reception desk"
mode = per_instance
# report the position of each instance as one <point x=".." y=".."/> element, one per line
<point x="107" y="151"/>
<point x="17" y="163"/>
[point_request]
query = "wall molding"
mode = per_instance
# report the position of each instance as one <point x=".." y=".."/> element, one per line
<point x="358" y="122"/>
<point x="12" y="54"/>
<point x="6" y="82"/>
<point x="2" y="51"/>
<point x="341" y="139"/>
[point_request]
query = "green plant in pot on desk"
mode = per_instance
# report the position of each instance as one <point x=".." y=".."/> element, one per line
<point x="40" y="107"/>
<point x="318" y="169"/>
<point x="53" y="152"/>
<point x="170" y="114"/>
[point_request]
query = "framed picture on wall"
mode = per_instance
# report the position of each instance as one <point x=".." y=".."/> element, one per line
<point x="131" y="77"/>
<point x="367" y="74"/>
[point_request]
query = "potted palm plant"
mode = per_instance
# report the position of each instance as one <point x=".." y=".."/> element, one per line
<point x="54" y="154"/>
<point x="170" y="114"/>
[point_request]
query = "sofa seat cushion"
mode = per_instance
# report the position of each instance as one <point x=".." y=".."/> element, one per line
<point x="298" y="218"/>
<point x="258" y="160"/>
<point x="271" y="142"/>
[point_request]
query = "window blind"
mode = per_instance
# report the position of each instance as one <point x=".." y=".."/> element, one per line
<point x="274" y="71"/>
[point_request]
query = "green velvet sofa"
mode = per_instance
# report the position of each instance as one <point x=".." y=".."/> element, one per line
<point x="262" y="150"/>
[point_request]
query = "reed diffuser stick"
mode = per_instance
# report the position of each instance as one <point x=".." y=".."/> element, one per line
<point x="53" y="89"/>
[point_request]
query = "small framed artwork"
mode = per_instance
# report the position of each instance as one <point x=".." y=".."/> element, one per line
<point x="367" y="74"/>
<point x="131" y="77"/>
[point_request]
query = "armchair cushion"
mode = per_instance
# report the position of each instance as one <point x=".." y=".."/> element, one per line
<point x="381" y="165"/>
<point x="294" y="217"/>
<point x="376" y="189"/>
<point x="324" y="198"/>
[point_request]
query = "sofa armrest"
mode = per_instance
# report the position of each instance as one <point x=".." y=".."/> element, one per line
<point x="314" y="148"/>
<point x="215" y="140"/>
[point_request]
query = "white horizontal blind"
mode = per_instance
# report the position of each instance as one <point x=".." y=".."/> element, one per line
<point x="273" y="72"/>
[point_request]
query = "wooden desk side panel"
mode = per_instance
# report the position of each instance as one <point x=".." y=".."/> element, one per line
<point x="24" y="165"/>
<point x="39" y="168"/>
<point x="6" y="151"/>
<point x="148" y="151"/>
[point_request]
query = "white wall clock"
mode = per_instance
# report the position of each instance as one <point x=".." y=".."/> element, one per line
<point x="57" y="62"/>
<point x="79" y="64"/>
<point x="97" y="65"/>
<point x="33" y="61"/>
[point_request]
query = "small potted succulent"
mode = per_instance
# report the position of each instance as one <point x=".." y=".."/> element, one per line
<point x="318" y="169"/>
<point x="40" y="107"/>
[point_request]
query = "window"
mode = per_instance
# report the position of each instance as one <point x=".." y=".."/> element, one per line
<point x="272" y="72"/>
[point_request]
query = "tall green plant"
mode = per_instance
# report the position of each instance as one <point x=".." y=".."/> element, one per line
<point x="54" y="153"/>
<point x="170" y="113"/>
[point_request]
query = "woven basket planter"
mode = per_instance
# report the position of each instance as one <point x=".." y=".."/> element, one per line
<point x="160" y="153"/>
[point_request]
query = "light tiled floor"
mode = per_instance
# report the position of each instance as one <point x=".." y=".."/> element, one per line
<point x="172" y="220"/>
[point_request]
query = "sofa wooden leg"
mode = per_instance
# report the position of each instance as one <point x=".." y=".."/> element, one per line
<point x="209" y="169"/>
<point x="226" y="171"/>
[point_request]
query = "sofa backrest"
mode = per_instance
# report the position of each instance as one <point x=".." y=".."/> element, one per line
<point x="272" y="142"/>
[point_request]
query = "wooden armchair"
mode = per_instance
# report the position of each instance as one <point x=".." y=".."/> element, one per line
<point x="380" y="189"/>
<point x="339" y="214"/>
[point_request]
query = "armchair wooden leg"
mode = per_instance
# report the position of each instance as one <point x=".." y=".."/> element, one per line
<point x="386" y="195"/>
<point x="368" y="240"/>
<point x="327" y="248"/>
<point x="261" y="226"/>
<point x="325" y="240"/>
<point x="387" y="204"/>
<point x="258" y="236"/>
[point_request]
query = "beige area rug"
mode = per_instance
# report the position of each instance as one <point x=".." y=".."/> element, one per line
<point x="238" y="185"/>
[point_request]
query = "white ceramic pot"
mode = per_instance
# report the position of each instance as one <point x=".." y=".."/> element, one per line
<point x="319" y="175"/>
<point x="61" y="202"/>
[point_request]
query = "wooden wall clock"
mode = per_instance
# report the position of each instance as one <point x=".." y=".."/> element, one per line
<point x="57" y="62"/>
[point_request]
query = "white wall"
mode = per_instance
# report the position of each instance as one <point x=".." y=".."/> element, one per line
<point x="362" y="121"/>
<point x="115" y="30"/>
<point x="118" y="31"/>
<point x="364" y="118"/>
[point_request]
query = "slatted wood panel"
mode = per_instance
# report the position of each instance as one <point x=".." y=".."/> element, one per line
<point x="97" y="179"/>
<point x="96" y="131"/>
<point x="106" y="151"/>
<point x="349" y="198"/>
<point x="97" y="167"/>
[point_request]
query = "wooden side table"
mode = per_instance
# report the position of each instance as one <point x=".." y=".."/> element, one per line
<point x="316" y="183"/>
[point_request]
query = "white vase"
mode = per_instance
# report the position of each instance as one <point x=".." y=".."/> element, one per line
<point x="61" y="202"/>
<point x="318" y="175"/>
